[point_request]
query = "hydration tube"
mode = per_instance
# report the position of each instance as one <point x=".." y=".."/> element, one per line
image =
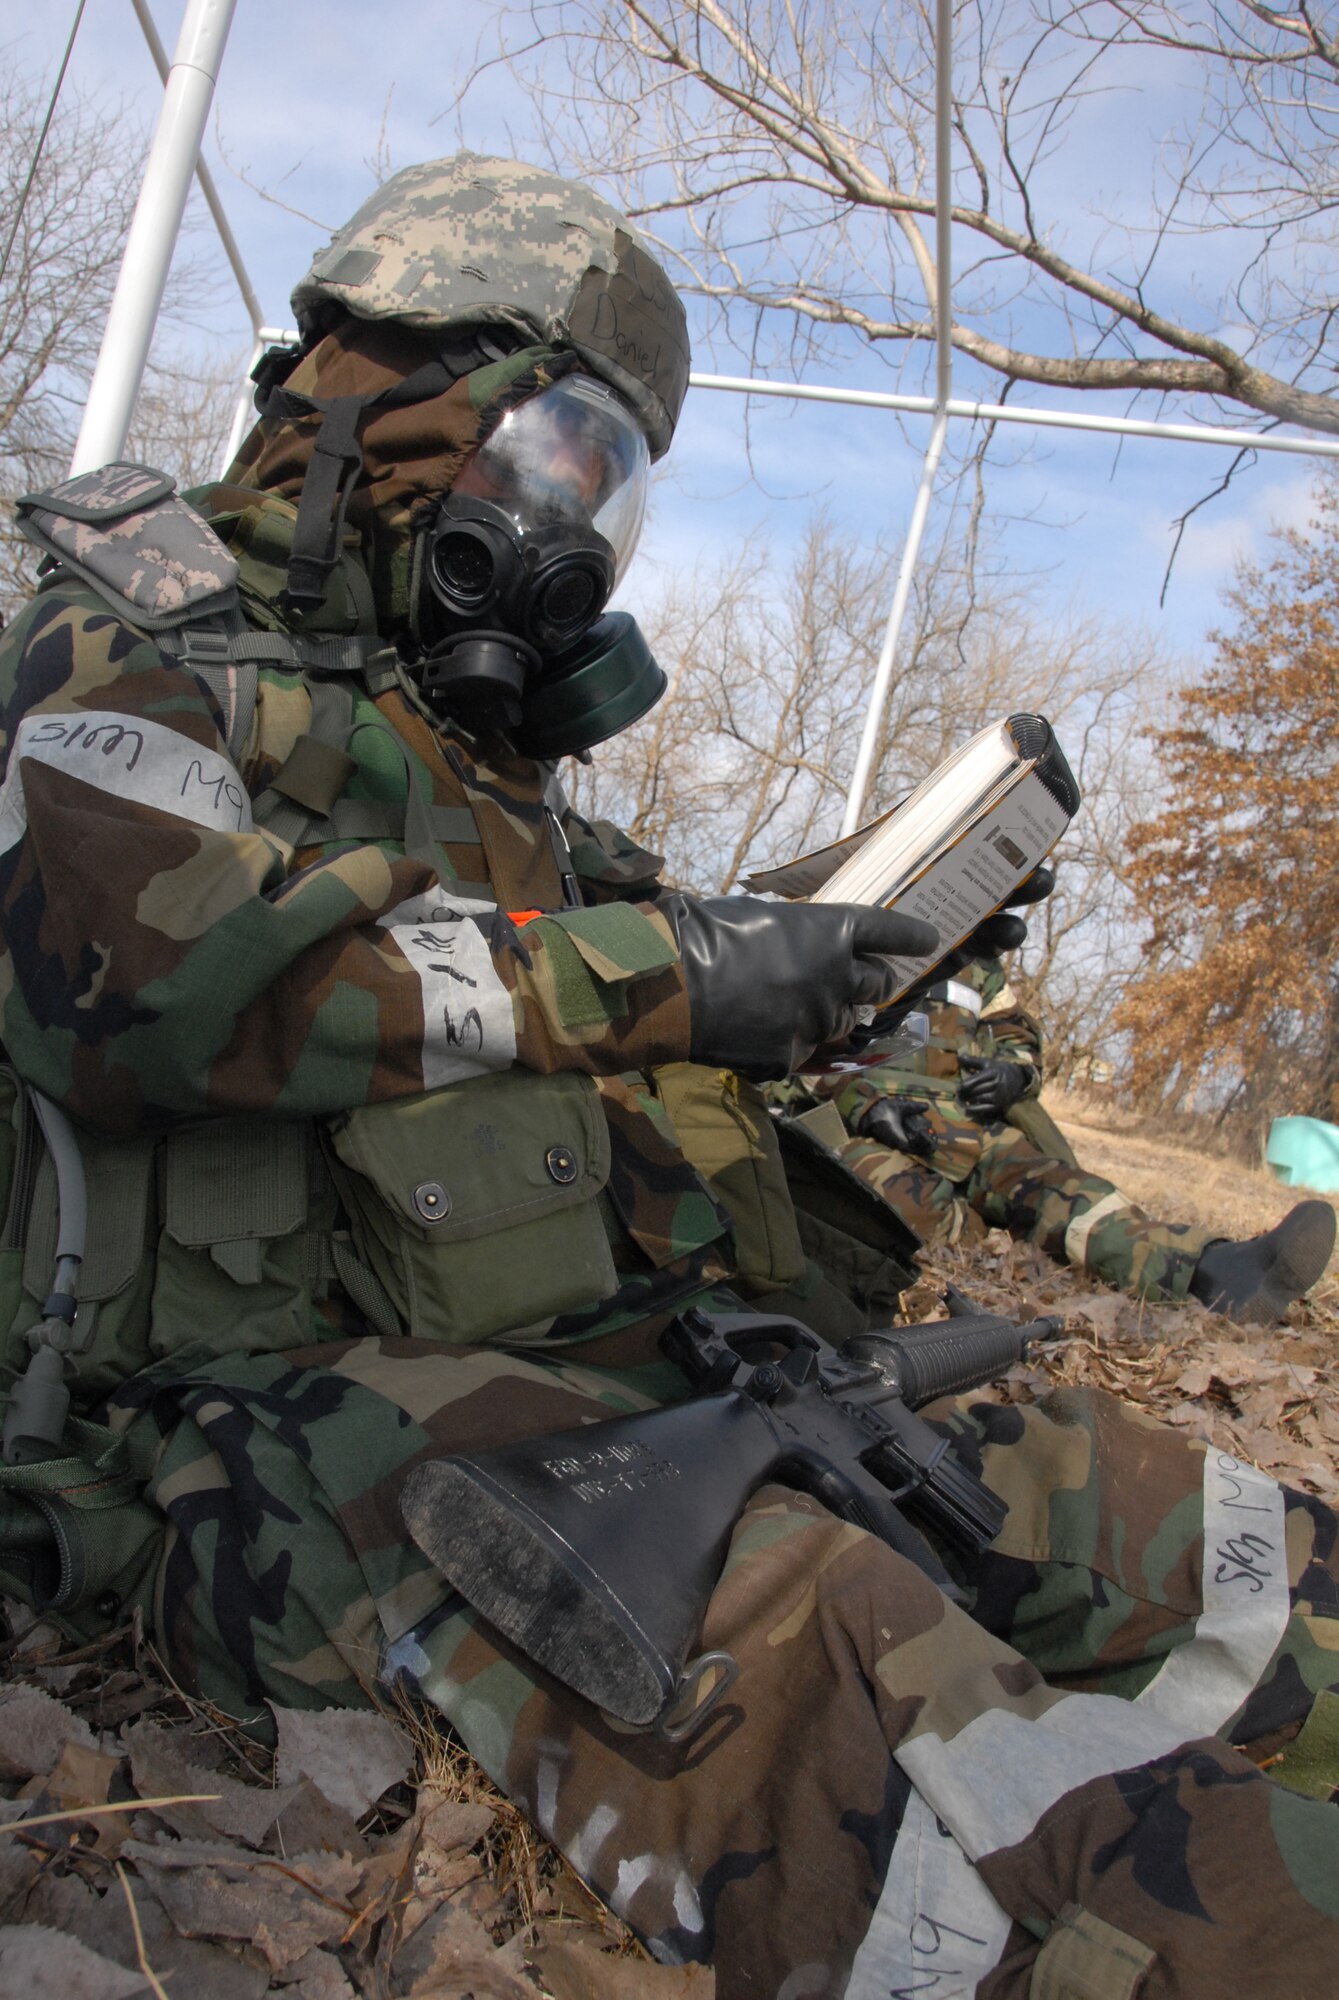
<point x="37" y="1409"/>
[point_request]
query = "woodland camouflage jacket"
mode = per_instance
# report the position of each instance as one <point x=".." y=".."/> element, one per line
<point x="165" y="960"/>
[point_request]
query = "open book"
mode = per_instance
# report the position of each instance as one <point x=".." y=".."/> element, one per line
<point x="955" y="850"/>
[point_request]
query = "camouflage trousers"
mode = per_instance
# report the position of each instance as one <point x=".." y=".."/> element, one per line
<point x="990" y="1176"/>
<point x="1037" y="1799"/>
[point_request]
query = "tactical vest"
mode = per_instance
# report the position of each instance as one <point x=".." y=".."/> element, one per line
<point x="460" y="1216"/>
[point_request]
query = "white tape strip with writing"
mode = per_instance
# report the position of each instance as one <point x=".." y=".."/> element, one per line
<point x="468" y="1022"/>
<point x="1202" y="1683"/>
<point x="129" y="758"/>
<point x="1082" y="1226"/>
<point x="1032" y="1761"/>
<point x="936" y="1930"/>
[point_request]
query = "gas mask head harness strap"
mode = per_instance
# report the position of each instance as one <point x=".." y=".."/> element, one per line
<point x="337" y="452"/>
<point x="513" y="567"/>
<point x="511" y="571"/>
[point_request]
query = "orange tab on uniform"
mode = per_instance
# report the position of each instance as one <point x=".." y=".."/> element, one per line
<point x="524" y="916"/>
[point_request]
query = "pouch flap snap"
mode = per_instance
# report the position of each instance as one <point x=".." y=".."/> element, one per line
<point x="235" y="1180"/>
<point x="481" y="1156"/>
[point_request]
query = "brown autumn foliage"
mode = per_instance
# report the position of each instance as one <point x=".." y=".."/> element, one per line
<point x="1237" y="1007"/>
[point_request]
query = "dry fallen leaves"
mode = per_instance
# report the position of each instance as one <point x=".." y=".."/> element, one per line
<point x="367" y="1857"/>
<point x="1269" y="1395"/>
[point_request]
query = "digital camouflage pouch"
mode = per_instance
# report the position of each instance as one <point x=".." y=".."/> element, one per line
<point x="124" y="530"/>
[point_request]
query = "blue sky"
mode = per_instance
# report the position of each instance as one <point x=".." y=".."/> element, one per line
<point x="300" y="105"/>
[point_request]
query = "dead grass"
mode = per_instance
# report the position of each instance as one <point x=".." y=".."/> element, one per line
<point x="1176" y="1178"/>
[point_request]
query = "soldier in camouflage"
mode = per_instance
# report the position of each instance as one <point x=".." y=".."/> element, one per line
<point x="955" y="1139"/>
<point x="365" y="1042"/>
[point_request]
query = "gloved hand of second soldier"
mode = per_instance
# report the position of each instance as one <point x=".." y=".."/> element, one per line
<point x="898" y="1122"/>
<point x="769" y="982"/>
<point x="990" y="1085"/>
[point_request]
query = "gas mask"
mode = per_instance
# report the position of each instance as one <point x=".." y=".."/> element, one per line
<point x="514" y="569"/>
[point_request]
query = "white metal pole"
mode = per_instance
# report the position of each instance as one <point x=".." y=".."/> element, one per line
<point x="206" y="180"/>
<point x="883" y="674"/>
<point x="153" y="232"/>
<point x="245" y="413"/>
<point x="1316" y="446"/>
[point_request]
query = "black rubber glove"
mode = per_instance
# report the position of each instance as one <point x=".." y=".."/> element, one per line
<point x="769" y="982"/>
<point x="898" y="1122"/>
<point x="997" y="934"/>
<point x="990" y="1085"/>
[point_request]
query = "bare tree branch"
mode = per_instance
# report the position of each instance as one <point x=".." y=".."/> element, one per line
<point x="782" y="156"/>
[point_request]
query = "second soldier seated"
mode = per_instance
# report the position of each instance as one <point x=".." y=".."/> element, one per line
<point x="955" y="1139"/>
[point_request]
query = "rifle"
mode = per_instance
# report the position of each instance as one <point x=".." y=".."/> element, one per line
<point x="595" y="1550"/>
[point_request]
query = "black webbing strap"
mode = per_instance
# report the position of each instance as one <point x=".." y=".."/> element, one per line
<point x="210" y="648"/>
<point x="314" y="774"/>
<point x="280" y="811"/>
<point x="337" y="461"/>
<point x="303" y="805"/>
<point x="227" y="656"/>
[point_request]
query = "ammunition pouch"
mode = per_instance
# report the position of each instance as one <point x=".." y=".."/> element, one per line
<point x="478" y="1209"/>
<point x="863" y="1251"/>
<point x="725" y="1130"/>
<point x="116" y="1276"/>
<point x="211" y="1237"/>
<point x="248" y="1243"/>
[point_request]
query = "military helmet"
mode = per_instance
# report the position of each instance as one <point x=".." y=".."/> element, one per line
<point x="475" y="241"/>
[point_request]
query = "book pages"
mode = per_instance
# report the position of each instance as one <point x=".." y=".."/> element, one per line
<point x="957" y="848"/>
<point x="985" y="863"/>
<point x="802" y="878"/>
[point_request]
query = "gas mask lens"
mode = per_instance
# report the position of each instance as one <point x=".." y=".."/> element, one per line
<point x="572" y="456"/>
<point x="524" y="551"/>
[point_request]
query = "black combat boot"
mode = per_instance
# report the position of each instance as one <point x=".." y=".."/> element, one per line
<point x="1256" y="1281"/>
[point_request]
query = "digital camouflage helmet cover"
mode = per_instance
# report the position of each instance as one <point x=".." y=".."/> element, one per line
<point x="475" y="241"/>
